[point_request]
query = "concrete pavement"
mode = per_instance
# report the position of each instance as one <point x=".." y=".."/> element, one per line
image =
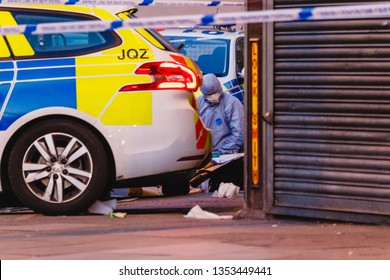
<point x="155" y="228"/>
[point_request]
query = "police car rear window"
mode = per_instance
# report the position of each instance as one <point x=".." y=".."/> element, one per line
<point x="63" y="43"/>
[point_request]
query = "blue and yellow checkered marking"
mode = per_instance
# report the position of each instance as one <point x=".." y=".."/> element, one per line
<point x="87" y="84"/>
<point x="235" y="89"/>
<point x="39" y="84"/>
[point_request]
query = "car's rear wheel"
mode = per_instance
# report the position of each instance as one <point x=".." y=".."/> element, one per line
<point x="176" y="188"/>
<point x="58" y="167"/>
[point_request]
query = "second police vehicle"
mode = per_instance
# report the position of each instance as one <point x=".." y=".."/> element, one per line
<point x="218" y="50"/>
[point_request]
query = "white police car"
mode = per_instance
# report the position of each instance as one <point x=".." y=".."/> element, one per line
<point x="83" y="112"/>
<point x="218" y="50"/>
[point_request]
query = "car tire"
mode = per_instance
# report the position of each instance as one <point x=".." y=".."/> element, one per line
<point x="58" y="167"/>
<point x="9" y="199"/>
<point x="177" y="188"/>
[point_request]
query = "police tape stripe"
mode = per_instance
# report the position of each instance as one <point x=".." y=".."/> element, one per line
<point x="321" y="13"/>
<point x="125" y="2"/>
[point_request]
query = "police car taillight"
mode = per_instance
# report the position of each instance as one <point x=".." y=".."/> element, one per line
<point x="165" y="75"/>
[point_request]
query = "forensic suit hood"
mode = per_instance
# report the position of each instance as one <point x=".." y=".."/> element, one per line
<point x="211" y="85"/>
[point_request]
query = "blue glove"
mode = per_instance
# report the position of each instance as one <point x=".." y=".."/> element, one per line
<point x="216" y="154"/>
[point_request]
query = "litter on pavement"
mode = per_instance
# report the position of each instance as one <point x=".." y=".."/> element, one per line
<point x="102" y="207"/>
<point x="106" y="208"/>
<point x="197" y="212"/>
<point x="227" y="190"/>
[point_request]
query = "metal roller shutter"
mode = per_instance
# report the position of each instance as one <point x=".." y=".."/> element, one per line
<point x="331" y="126"/>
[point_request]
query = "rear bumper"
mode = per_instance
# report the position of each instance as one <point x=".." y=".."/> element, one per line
<point x="160" y="179"/>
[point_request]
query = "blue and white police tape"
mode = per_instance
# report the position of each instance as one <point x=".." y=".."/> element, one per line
<point x="125" y="2"/>
<point x="321" y="13"/>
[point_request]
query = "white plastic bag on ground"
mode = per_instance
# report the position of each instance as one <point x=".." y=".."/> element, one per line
<point x="102" y="207"/>
<point x="198" y="213"/>
<point x="227" y="190"/>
